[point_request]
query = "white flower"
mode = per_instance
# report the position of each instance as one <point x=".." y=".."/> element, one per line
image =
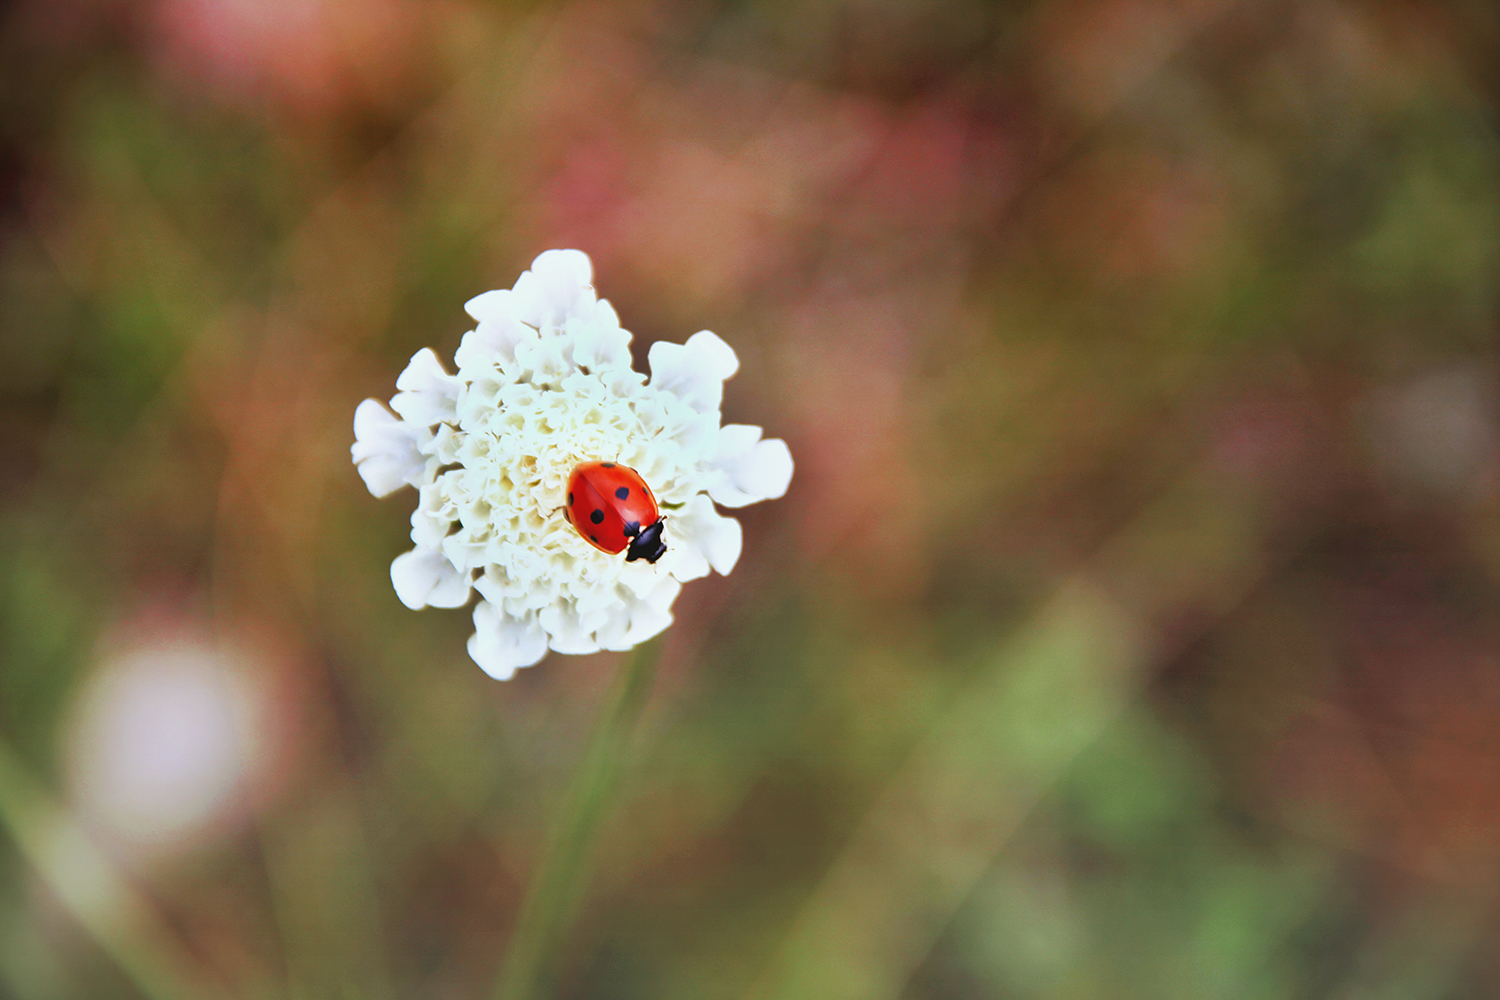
<point x="544" y="382"/>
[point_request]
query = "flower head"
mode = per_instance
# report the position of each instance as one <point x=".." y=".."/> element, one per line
<point x="545" y="383"/>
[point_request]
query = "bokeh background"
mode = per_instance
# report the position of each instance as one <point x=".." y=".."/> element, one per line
<point x="1131" y="627"/>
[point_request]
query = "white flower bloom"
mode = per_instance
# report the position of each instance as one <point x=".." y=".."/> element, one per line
<point x="545" y="382"/>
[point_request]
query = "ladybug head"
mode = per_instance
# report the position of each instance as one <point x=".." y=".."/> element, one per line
<point x="648" y="544"/>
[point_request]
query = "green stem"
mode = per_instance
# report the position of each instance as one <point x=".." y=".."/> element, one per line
<point x="528" y="970"/>
<point x="90" y="887"/>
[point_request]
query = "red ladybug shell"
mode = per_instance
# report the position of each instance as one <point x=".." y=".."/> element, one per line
<point x="614" y="510"/>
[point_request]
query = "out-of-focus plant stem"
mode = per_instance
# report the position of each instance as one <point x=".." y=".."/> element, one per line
<point x="529" y="967"/>
<point x="92" y="890"/>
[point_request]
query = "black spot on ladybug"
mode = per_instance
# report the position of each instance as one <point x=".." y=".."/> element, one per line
<point x="608" y="465"/>
<point x="570" y="498"/>
<point x="623" y="492"/>
<point x="632" y="528"/>
<point x="593" y="538"/>
<point x="597" y="517"/>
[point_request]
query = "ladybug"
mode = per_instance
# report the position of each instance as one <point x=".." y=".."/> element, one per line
<point x="614" y="509"/>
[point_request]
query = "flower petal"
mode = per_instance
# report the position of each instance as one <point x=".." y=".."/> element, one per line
<point x="695" y="371"/>
<point x="703" y="537"/>
<point x="558" y="286"/>
<point x="428" y="393"/>
<point x="749" y="469"/>
<point x="640" y="618"/>
<point x="501" y="645"/>
<point x="494" y="341"/>
<point x="570" y="631"/>
<point x="642" y="577"/>
<point x="388" y="451"/>
<point x="498" y="307"/>
<point x="428" y="527"/>
<point x="598" y="340"/>
<point x="546" y="360"/>
<point x="424" y="577"/>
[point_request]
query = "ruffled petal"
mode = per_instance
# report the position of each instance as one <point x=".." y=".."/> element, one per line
<point x="703" y="538"/>
<point x="548" y="358"/>
<point x="695" y="371"/>
<point x="424" y="577"/>
<point x="497" y="307"/>
<point x="493" y="342"/>
<point x="640" y="618"/>
<point x="558" y="286"/>
<point x="428" y="393"/>
<point x="501" y="645"/>
<point x="570" y="630"/>
<point x="749" y="469"/>
<point x="429" y="528"/>
<point x="642" y="577"/>
<point x="598" y="340"/>
<point x="387" y="450"/>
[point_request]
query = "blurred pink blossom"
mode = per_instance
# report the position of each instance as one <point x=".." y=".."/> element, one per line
<point x="175" y="737"/>
<point x="315" y="53"/>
